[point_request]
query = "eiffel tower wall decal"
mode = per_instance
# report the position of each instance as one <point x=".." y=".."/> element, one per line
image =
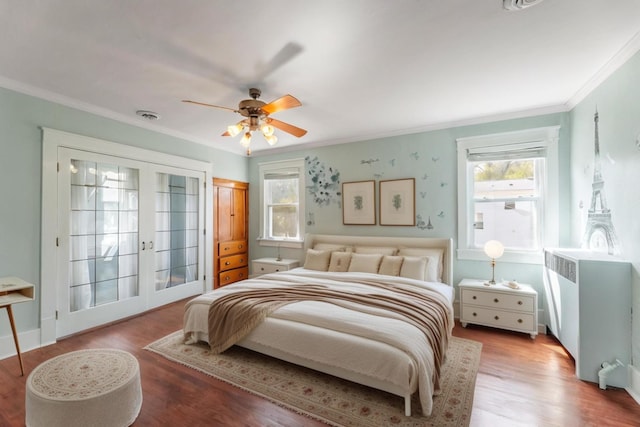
<point x="600" y="235"/>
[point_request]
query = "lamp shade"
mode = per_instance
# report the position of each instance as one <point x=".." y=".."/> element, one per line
<point x="267" y="130"/>
<point x="246" y="140"/>
<point x="494" y="249"/>
<point x="235" y="129"/>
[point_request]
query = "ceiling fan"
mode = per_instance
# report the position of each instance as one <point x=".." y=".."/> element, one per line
<point x="257" y="115"/>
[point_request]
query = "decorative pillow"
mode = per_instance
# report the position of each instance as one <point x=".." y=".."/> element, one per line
<point x="414" y="267"/>
<point x="365" y="263"/>
<point x="331" y="247"/>
<point x="340" y="261"/>
<point x="435" y="264"/>
<point x="382" y="250"/>
<point x="390" y="265"/>
<point x="317" y="260"/>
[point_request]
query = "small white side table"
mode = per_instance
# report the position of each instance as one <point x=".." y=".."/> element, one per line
<point x="272" y="265"/>
<point x="12" y="291"/>
<point x="499" y="306"/>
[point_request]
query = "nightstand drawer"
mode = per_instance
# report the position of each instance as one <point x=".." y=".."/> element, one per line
<point x="264" y="268"/>
<point x="231" y="276"/>
<point x="233" y="261"/>
<point x="498" y="318"/>
<point x="272" y="265"/>
<point x="498" y="300"/>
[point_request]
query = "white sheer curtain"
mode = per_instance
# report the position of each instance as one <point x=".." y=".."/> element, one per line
<point x="176" y="244"/>
<point x="104" y="234"/>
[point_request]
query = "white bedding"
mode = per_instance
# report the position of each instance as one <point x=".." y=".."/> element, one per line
<point x="335" y="339"/>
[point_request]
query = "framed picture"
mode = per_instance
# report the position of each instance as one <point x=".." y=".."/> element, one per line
<point x="359" y="203"/>
<point x="398" y="202"/>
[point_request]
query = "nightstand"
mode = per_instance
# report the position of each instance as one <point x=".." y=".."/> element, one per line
<point x="499" y="306"/>
<point x="272" y="265"/>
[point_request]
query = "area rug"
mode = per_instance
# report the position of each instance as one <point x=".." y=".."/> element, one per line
<point x="332" y="400"/>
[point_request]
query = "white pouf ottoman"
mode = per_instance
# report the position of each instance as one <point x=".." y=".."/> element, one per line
<point x="95" y="387"/>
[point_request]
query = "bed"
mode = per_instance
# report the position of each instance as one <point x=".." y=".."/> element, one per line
<point x="380" y="312"/>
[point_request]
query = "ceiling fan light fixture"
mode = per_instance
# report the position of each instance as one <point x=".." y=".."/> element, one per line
<point x="271" y="139"/>
<point x="267" y="130"/>
<point x="235" y="130"/>
<point x="256" y="117"/>
<point x="246" y="140"/>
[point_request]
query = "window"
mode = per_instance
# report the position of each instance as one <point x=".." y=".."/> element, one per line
<point x="282" y="203"/>
<point x="507" y="191"/>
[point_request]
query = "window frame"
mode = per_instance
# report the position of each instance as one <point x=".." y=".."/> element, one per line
<point x="282" y="167"/>
<point x="546" y="137"/>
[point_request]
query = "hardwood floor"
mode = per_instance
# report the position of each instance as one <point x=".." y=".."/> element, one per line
<point x="521" y="382"/>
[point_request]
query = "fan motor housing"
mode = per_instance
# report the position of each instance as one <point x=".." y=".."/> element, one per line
<point x="251" y="107"/>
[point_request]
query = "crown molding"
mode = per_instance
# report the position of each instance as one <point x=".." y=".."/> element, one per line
<point x="617" y="60"/>
<point x="66" y="101"/>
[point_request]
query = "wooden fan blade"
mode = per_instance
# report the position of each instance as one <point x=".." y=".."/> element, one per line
<point x="209" y="105"/>
<point x="282" y="103"/>
<point x="226" y="134"/>
<point x="293" y="130"/>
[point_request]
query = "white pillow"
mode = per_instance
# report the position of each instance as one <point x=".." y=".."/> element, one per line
<point x="331" y="247"/>
<point x="435" y="264"/>
<point x="390" y="265"/>
<point x="382" y="250"/>
<point x="365" y="263"/>
<point x="414" y="267"/>
<point x="339" y="261"/>
<point x="317" y="260"/>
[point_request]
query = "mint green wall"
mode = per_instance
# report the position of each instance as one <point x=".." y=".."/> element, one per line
<point x="21" y="117"/>
<point x="431" y="159"/>
<point x="618" y="103"/>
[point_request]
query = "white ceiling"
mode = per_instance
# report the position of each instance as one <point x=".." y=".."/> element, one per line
<point x="361" y="68"/>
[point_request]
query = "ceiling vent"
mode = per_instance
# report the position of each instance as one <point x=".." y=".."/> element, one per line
<point x="519" y="4"/>
<point x="149" y="115"/>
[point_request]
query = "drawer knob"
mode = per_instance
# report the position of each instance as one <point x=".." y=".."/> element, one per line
<point x="475" y="314"/>
<point x="262" y="268"/>
<point x="475" y="297"/>
<point x="240" y="275"/>
<point x="519" y="320"/>
<point x="239" y="246"/>
<point x="226" y="249"/>
<point x="241" y="260"/>
<point x="227" y="263"/>
<point x="227" y="278"/>
<point x="519" y="302"/>
<point x="277" y="269"/>
<point x="496" y="300"/>
<point x="497" y="317"/>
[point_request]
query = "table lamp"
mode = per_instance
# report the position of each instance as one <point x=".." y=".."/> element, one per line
<point x="494" y="249"/>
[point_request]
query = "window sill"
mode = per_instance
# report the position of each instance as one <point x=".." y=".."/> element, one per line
<point x="288" y="243"/>
<point x="517" y="257"/>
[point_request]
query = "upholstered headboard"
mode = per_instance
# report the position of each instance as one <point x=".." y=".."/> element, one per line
<point x="405" y="243"/>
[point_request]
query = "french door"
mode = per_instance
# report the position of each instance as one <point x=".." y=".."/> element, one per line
<point x="131" y="235"/>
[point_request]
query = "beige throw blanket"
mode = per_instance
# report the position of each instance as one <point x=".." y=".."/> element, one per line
<point x="235" y="315"/>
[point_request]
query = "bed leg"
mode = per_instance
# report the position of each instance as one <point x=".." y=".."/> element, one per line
<point x="407" y="405"/>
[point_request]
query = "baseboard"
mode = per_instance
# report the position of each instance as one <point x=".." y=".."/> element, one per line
<point x="634" y="383"/>
<point x="456" y="309"/>
<point x="28" y="340"/>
